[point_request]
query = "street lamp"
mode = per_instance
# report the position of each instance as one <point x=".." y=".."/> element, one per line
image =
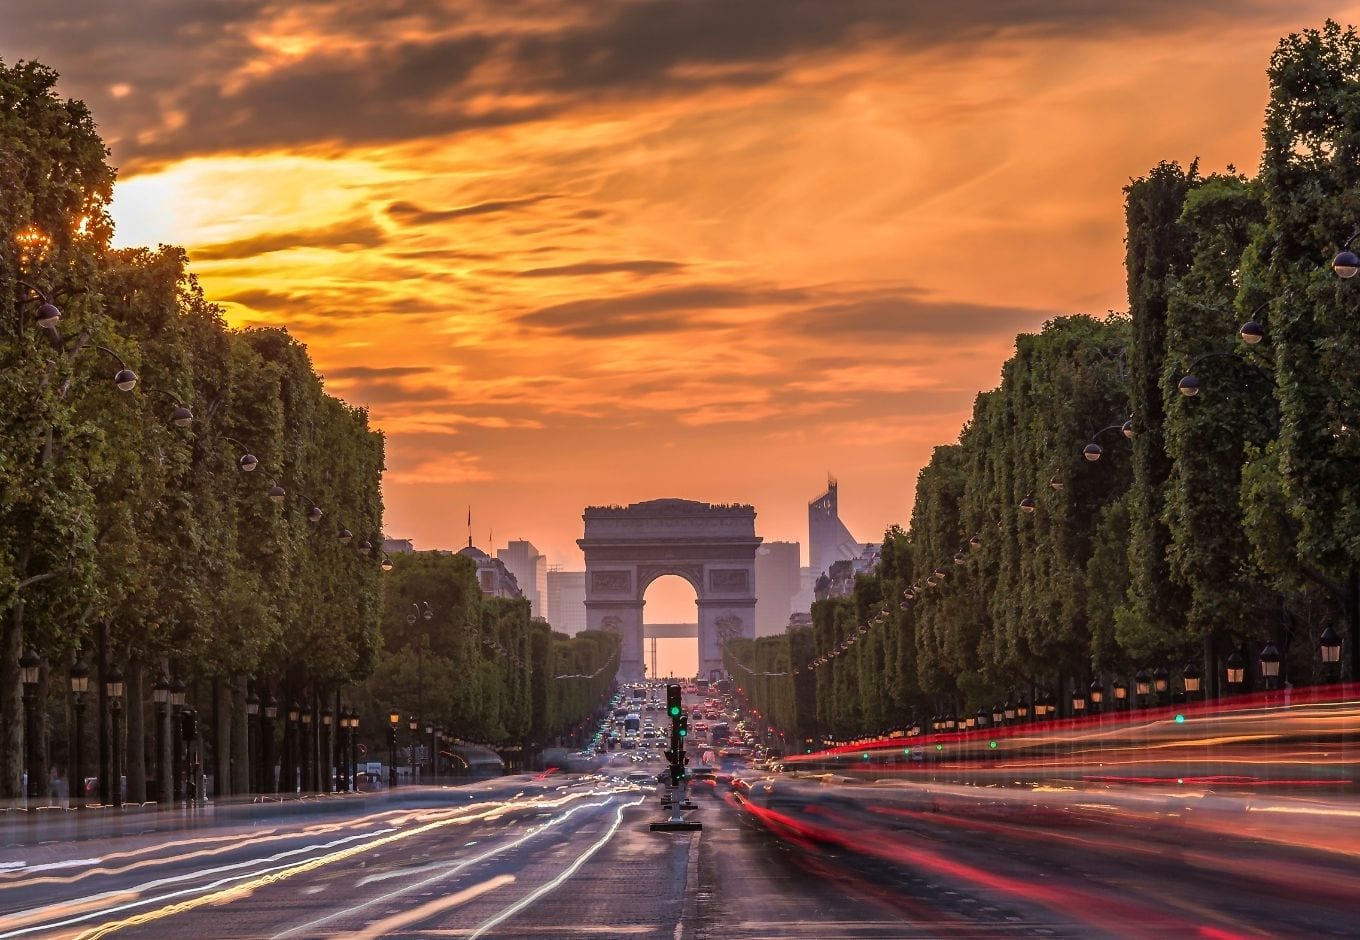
<point x="1346" y="264"/>
<point x="434" y="747"/>
<point x="290" y="745"/>
<point x="413" y="725"/>
<point x="1096" y="695"/>
<point x="1121" y="694"/>
<point x="1194" y="680"/>
<point x="1270" y="665"/>
<point x="80" y="684"/>
<point x="1330" y="649"/>
<point x="113" y="688"/>
<point x="308" y="750"/>
<point x="1161" y="682"/>
<point x="1142" y="685"/>
<point x="328" y="749"/>
<point x="1237" y="670"/>
<point x="160" y="697"/>
<point x="1027" y="505"/>
<point x="393" y="719"/>
<point x="253" y="739"/>
<point x="270" y="710"/>
<point x="353" y="750"/>
<point x="30" y="666"/>
<point x="1078" y="702"/>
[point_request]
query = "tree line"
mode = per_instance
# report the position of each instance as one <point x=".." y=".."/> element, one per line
<point x="1220" y="521"/>
<point x="180" y="500"/>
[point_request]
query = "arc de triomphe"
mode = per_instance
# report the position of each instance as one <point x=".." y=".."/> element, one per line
<point x="711" y="547"/>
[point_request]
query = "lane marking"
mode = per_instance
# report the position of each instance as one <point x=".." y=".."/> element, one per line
<point x="555" y="883"/>
<point x="387" y="925"/>
<point x="451" y="870"/>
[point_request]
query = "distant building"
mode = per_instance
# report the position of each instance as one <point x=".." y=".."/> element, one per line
<point x="839" y="581"/>
<point x="829" y="541"/>
<point x="530" y="569"/>
<point x="493" y="577"/>
<point x="778" y="582"/>
<point x="566" y="600"/>
<point x="398" y="546"/>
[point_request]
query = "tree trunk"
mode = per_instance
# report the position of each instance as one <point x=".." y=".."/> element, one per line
<point x="222" y="737"/>
<point x="11" y="703"/>
<point x="135" y="689"/>
<point x="240" y="737"/>
<point x="101" y="714"/>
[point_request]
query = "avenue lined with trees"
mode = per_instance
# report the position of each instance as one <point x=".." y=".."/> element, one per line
<point x="191" y="565"/>
<point x="1162" y="502"/>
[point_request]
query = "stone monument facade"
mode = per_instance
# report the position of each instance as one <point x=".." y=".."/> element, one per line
<point x="711" y="547"/>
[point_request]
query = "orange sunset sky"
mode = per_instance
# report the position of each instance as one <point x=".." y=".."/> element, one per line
<point x="572" y="253"/>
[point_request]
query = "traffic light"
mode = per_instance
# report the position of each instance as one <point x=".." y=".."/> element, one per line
<point x="678" y="774"/>
<point x="673" y="703"/>
<point x="682" y="726"/>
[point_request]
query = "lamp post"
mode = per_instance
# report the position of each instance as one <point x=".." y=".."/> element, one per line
<point x="309" y="766"/>
<point x="1329" y="648"/>
<point x="393" y="719"/>
<point x="1237" y="671"/>
<point x="177" y="694"/>
<point x="160" y="697"/>
<point x="269" y="712"/>
<point x="1161" y="684"/>
<point x="1121" y="695"/>
<point x="1194" y="682"/>
<point x="253" y="739"/>
<point x="1142" y="685"/>
<point x="1270" y="666"/>
<point x="113" y="688"/>
<point x="327" y="763"/>
<point x="413" y="724"/>
<point x="290" y="745"/>
<point x="353" y="750"/>
<point x="1096" y="695"/>
<point x="80" y="684"/>
<point x="1078" y="703"/>
<point x="434" y="747"/>
<point x="29" y="668"/>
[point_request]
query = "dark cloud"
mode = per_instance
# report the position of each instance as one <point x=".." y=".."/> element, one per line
<point x="345" y="236"/>
<point x="377" y="372"/>
<point x="604" y="267"/>
<point x="175" y="57"/>
<point x="267" y="300"/>
<point x="676" y="309"/>
<point x="411" y="214"/>
<point x="875" y="318"/>
<point x="379" y="392"/>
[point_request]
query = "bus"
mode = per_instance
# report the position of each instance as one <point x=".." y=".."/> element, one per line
<point x="719" y="733"/>
<point x="632" y="722"/>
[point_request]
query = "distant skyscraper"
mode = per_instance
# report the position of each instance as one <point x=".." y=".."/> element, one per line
<point x="566" y="600"/>
<point x="829" y="541"/>
<point x="777" y="583"/>
<point x="530" y="569"/>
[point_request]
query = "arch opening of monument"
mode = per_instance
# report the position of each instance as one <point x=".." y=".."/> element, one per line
<point x="670" y="627"/>
<point x="713" y="547"/>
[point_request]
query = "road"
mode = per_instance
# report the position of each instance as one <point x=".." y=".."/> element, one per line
<point x="817" y="857"/>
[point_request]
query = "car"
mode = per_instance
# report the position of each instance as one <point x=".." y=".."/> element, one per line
<point x="640" y="777"/>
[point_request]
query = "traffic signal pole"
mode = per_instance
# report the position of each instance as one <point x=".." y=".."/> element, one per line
<point x="678" y="759"/>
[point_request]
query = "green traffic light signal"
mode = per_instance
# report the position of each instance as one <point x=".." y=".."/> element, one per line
<point x="675" y="711"/>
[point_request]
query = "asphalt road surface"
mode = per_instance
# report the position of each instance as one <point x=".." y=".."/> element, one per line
<point x="821" y="858"/>
<point x="573" y="857"/>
